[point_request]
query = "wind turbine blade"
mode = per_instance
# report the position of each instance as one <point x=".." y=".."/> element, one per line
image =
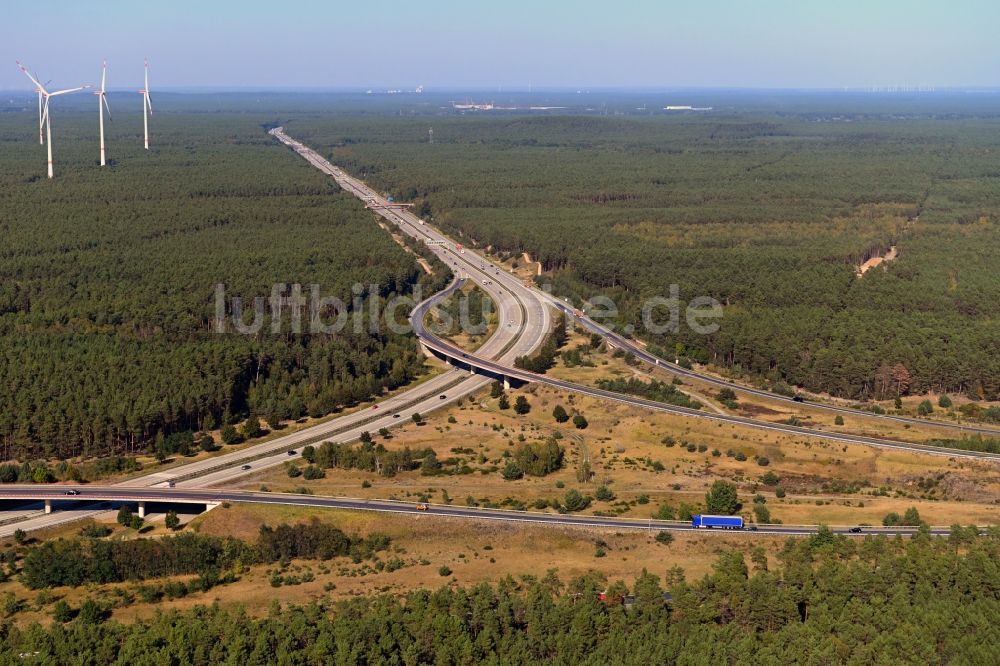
<point x="45" y="113"/>
<point x="104" y="74"/>
<point x="145" y="90"/>
<point x="68" y="90"/>
<point x="105" y="98"/>
<point x="28" y="74"/>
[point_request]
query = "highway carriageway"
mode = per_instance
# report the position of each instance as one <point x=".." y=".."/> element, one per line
<point x="506" y="373"/>
<point x="615" y="340"/>
<point x="212" y="497"/>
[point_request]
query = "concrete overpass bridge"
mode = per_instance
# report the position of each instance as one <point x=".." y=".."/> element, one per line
<point x="54" y="496"/>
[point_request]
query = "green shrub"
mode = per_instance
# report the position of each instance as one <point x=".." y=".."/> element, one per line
<point x="574" y="501"/>
<point x="603" y="494"/>
<point x="511" y="472"/>
<point x="125" y="516"/>
<point x="91" y="612"/>
<point x="891" y="519"/>
<point x="61" y="611"/>
<point x="230" y="435"/>
<point x="312" y="472"/>
<point x="664" y="512"/>
<point x="721" y="499"/>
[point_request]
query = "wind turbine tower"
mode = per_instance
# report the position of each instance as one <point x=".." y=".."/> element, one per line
<point x="147" y="108"/>
<point x="102" y="103"/>
<point x="46" y="116"/>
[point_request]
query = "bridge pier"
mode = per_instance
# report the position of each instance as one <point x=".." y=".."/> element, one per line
<point x="506" y="383"/>
<point x="142" y="509"/>
<point x="48" y="506"/>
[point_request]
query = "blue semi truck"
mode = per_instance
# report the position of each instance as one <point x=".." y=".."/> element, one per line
<point x="718" y="522"/>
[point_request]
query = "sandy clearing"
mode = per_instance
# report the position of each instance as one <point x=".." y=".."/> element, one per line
<point x="876" y="261"/>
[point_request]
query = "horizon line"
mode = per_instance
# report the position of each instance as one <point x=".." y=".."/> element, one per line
<point x="410" y="90"/>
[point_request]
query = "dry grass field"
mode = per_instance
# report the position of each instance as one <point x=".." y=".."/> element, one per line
<point x="474" y="551"/>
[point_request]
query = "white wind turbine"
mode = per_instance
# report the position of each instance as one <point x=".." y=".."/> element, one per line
<point x="147" y="109"/>
<point x="46" y="118"/>
<point x="38" y="89"/>
<point x="102" y="103"/>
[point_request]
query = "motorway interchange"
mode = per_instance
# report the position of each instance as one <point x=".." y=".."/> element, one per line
<point x="529" y="312"/>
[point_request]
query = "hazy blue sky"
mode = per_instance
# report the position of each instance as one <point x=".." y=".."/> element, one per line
<point x="438" y="43"/>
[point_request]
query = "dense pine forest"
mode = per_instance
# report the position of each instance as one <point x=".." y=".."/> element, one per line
<point x="769" y="213"/>
<point x="108" y="277"/>
<point x="75" y="562"/>
<point x="827" y="600"/>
